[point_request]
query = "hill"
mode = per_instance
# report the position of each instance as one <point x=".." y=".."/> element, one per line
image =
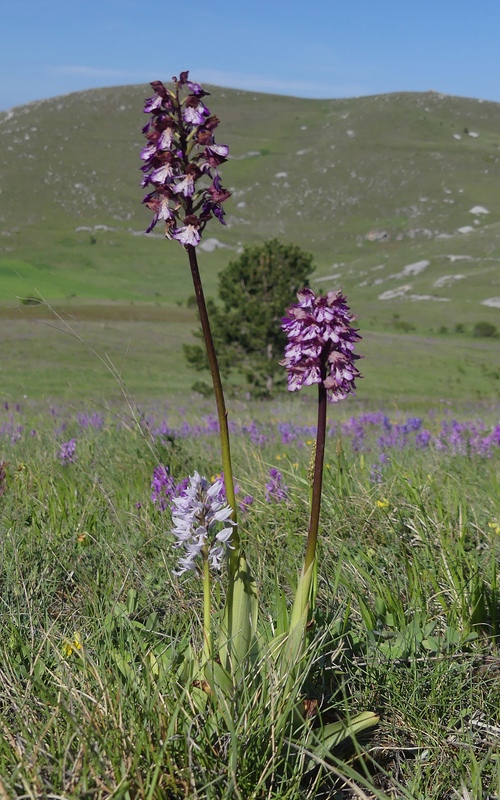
<point x="395" y="195"/>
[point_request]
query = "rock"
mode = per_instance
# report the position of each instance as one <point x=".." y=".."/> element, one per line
<point x="377" y="236"/>
<point x="493" y="302"/>
<point x="478" y="210"/>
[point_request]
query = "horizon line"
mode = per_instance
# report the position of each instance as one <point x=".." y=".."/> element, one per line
<point x="253" y="91"/>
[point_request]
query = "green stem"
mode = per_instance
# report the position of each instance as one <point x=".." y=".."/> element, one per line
<point x="312" y="534"/>
<point x="207" y="634"/>
<point x="234" y="557"/>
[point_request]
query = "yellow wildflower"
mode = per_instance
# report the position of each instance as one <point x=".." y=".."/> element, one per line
<point x="495" y="526"/>
<point x="71" y="646"/>
<point x="383" y="503"/>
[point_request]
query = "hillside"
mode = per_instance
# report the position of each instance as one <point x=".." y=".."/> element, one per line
<point x="395" y="195"/>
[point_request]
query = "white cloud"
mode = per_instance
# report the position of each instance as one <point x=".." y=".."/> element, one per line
<point x="249" y="82"/>
<point x="267" y="83"/>
<point x="95" y="72"/>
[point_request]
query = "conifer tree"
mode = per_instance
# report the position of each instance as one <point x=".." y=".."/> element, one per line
<point x="254" y="292"/>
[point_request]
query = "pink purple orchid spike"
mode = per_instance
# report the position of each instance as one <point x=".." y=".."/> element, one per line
<point x="320" y="346"/>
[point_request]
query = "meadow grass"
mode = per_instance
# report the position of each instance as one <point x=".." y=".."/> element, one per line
<point x="97" y="352"/>
<point x="93" y="621"/>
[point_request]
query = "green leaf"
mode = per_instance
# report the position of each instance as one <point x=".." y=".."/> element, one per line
<point x="189" y="668"/>
<point x="152" y="621"/>
<point x="337" y="734"/>
<point x="396" y="647"/>
<point x="367" y="615"/>
<point x="219" y="678"/>
<point x="132" y="597"/>
<point x="282" y="620"/>
<point x="294" y="647"/>
<point x="431" y="643"/>
<point x="380" y="608"/>
<point x="238" y="640"/>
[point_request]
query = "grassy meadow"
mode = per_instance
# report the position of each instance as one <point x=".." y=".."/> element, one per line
<point x="379" y="189"/>
<point x="94" y="622"/>
<point x="96" y="396"/>
<point x="95" y="354"/>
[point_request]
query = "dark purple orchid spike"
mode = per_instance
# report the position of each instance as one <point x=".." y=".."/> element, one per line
<point x="180" y="151"/>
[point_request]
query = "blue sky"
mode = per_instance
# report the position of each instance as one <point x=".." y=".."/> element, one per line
<point x="315" y="48"/>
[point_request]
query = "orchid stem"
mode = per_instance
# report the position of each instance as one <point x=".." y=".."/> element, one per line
<point x="207" y="634"/>
<point x="319" y="457"/>
<point x="220" y="402"/>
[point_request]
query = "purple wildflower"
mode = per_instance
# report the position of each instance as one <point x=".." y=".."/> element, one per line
<point x="376" y="473"/>
<point x="67" y="452"/>
<point x="93" y="420"/>
<point x="246" y="502"/>
<point x="181" y="487"/>
<point x="286" y="432"/>
<point x="196" y="514"/>
<point x="16" y="434"/>
<point x="181" y="149"/>
<point x="163" y="487"/>
<point x="276" y="491"/>
<point x="320" y="345"/>
<point x="423" y="439"/>
<point x="467" y="439"/>
<point x="376" y="470"/>
<point x="256" y="434"/>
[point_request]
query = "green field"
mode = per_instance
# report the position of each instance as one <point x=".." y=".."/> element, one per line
<point x="93" y="353"/>
<point x="323" y="174"/>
